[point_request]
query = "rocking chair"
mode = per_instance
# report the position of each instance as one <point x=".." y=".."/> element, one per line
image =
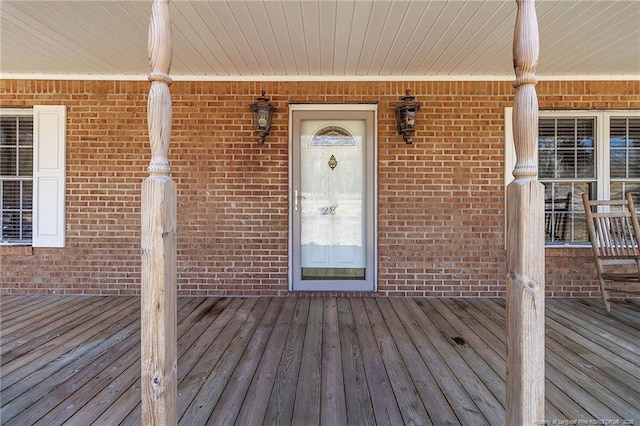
<point x="614" y="233"/>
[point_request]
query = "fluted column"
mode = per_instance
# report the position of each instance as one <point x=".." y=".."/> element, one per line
<point x="158" y="274"/>
<point x="525" y="236"/>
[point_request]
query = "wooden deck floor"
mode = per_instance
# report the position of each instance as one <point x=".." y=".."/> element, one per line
<point x="245" y="361"/>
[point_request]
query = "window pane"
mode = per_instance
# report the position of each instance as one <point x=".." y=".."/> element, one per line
<point x="546" y="164"/>
<point x="624" y="139"/>
<point x="26" y="231"/>
<point x="8" y="164"/>
<point x="25" y="131"/>
<point x="567" y="167"/>
<point x="556" y="209"/>
<point x="25" y="157"/>
<point x="619" y="189"/>
<point x="576" y="163"/>
<point x="27" y="195"/>
<point x="566" y="148"/>
<point x="8" y="131"/>
<point x="10" y="209"/>
<point x="546" y="148"/>
<point x="16" y="174"/>
<point x="11" y="194"/>
<point x="564" y="214"/>
<point x="17" y="222"/>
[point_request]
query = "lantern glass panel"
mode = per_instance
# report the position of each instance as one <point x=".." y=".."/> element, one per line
<point x="410" y="119"/>
<point x="263" y="118"/>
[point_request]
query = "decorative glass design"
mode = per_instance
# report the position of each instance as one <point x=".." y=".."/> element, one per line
<point x="332" y="136"/>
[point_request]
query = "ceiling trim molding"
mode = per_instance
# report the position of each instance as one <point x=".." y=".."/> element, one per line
<point x="303" y="78"/>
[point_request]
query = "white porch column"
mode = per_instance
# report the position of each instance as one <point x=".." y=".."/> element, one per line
<point x="159" y="336"/>
<point x="525" y="236"/>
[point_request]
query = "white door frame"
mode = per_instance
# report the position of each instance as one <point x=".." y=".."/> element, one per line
<point x="372" y="184"/>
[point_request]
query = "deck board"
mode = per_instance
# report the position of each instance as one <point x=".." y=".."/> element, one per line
<point x="483" y="399"/>
<point x="25" y="308"/>
<point x="385" y="407"/>
<point x="52" y="322"/>
<point x="282" y="396"/>
<point x="467" y="337"/>
<point x="333" y="404"/>
<point x="194" y="316"/>
<point x="425" y="337"/>
<point x="599" y="340"/>
<point x="212" y="382"/>
<point x="489" y="323"/>
<point x="76" y="360"/>
<point x="306" y="409"/>
<point x="559" y="405"/>
<point x="609" y="327"/>
<point x="232" y="397"/>
<point x="70" y="344"/>
<point x="264" y="377"/>
<point x="113" y="393"/>
<point x="358" y="398"/>
<point x="434" y="403"/>
<point x="406" y="395"/>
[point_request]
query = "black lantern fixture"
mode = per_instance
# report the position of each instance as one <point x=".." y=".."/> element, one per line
<point x="262" y="114"/>
<point x="406" y="112"/>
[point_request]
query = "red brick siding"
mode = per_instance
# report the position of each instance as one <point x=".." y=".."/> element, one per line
<point x="441" y="200"/>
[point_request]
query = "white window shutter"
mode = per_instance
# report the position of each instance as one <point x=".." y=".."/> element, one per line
<point x="49" y="166"/>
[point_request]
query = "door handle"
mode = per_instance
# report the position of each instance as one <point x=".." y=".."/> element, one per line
<point x="296" y="199"/>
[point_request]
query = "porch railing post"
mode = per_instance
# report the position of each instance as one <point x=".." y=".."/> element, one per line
<point x="158" y="238"/>
<point x="525" y="236"/>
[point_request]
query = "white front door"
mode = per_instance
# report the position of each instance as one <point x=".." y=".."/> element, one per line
<point x="333" y="198"/>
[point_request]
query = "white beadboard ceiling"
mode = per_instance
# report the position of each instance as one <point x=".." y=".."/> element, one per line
<point x="318" y="39"/>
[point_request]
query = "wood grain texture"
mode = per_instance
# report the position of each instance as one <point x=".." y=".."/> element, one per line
<point x="282" y="398"/>
<point x="525" y="236"/>
<point x="159" y="103"/>
<point x="385" y="407"/>
<point x="333" y="408"/>
<point x="358" y="398"/>
<point x="613" y="232"/>
<point x="158" y="272"/>
<point x="265" y="375"/>
<point x="158" y="301"/>
<point x="242" y="361"/>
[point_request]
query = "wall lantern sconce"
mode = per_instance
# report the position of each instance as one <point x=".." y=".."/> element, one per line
<point x="406" y="112"/>
<point x="262" y="114"/>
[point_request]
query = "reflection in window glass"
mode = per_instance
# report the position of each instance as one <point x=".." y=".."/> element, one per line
<point x="567" y="168"/>
<point x="564" y="218"/>
<point x="624" y="139"/>
<point x="566" y="148"/>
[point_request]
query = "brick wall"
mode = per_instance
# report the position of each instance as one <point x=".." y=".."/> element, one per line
<point x="441" y="200"/>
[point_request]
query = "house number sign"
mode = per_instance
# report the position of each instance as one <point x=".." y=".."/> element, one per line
<point x="328" y="210"/>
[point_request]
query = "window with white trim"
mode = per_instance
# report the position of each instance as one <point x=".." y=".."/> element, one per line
<point x="32" y="176"/>
<point x="593" y="152"/>
<point x="16" y="176"/>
